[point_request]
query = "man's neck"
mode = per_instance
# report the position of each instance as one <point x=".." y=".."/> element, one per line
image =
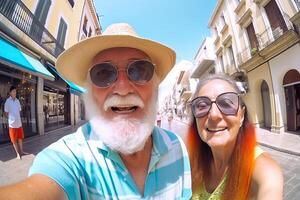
<point x="138" y="164"/>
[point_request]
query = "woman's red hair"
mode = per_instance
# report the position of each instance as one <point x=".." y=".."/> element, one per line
<point x="240" y="166"/>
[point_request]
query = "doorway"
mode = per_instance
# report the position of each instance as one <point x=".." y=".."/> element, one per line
<point x="265" y="94"/>
<point x="291" y="83"/>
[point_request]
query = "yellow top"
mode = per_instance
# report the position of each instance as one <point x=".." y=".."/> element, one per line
<point x="202" y="194"/>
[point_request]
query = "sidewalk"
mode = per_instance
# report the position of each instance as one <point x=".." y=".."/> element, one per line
<point x="283" y="141"/>
<point x="13" y="170"/>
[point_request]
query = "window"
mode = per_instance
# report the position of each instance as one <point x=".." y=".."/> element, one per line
<point x="61" y="36"/>
<point x="71" y="2"/>
<point x="90" y="32"/>
<point x="221" y="63"/>
<point x="231" y="56"/>
<point x="251" y="36"/>
<point x="41" y="13"/>
<point x="62" y="30"/>
<point x="85" y="26"/>
<point x="276" y="19"/>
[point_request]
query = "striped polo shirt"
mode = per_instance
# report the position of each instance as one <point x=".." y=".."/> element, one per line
<point x="89" y="170"/>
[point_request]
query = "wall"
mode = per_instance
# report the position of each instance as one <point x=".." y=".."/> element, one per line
<point x="253" y="98"/>
<point x="279" y="65"/>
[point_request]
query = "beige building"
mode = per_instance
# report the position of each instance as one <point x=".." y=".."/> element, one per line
<point x="32" y="35"/>
<point x="257" y="42"/>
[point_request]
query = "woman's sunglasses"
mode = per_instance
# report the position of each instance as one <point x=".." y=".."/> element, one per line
<point x="105" y="74"/>
<point x="227" y="103"/>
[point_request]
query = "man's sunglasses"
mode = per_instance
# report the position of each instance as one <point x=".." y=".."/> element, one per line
<point x="106" y="73"/>
<point x="227" y="103"/>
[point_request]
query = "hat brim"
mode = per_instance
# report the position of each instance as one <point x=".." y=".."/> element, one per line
<point x="74" y="62"/>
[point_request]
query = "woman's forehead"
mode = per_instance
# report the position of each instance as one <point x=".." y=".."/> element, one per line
<point x="215" y="87"/>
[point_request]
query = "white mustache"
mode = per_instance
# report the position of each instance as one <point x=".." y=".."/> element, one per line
<point x="128" y="100"/>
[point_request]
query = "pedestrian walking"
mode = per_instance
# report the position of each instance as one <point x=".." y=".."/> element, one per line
<point x="12" y="109"/>
<point x="170" y="119"/>
<point x="158" y="119"/>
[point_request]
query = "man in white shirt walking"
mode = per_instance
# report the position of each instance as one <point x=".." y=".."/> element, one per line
<point x="12" y="108"/>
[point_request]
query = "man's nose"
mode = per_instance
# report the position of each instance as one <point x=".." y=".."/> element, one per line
<point x="123" y="85"/>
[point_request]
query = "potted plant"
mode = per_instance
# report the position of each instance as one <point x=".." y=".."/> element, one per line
<point x="253" y="51"/>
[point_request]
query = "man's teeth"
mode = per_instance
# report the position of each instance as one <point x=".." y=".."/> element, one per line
<point x="124" y="109"/>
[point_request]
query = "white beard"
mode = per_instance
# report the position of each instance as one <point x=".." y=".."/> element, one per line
<point x="124" y="135"/>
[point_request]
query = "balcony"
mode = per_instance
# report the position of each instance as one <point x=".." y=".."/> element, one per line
<point x="202" y="65"/>
<point x="20" y="16"/>
<point x="241" y="5"/>
<point x="244" y="18"/>
<point x="230" y="69"/>
<point x="271" y="42"/>
<point x="275" y="35"/>
<point x="296" y="18"/>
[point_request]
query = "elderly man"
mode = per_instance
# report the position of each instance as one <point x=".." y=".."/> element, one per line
<point x="119" y="153"/>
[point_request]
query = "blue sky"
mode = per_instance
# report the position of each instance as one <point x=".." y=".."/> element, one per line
<point x="180" y="24"/>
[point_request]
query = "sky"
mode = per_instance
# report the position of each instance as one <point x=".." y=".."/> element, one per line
<point x="180" y="24"/>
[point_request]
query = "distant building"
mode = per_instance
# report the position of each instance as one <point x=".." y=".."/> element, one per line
<point x="257" y="43"/>
<point x="32" y="35"/>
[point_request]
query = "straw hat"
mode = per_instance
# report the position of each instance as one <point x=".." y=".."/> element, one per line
<point x="74" y="62"/>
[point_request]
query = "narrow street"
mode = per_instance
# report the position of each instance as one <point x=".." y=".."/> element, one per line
<point x="13" y="170"/>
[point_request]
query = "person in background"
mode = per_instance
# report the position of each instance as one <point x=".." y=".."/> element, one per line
<point x="170" y="119"/>
<point x="226" y="162"/>
<point x="12" y="109"/>
<point x="158" y="119"/>
<point x="119" y="153"/>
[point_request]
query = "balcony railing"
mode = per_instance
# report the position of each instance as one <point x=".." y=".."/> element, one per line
<point x="297" y="2"/>
<point x="244" y="55"/>
<point x="18" y="14"/>
<point x="270" y="35"/>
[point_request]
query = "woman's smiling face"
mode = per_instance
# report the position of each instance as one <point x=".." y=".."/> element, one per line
<point x="217" y="129"/>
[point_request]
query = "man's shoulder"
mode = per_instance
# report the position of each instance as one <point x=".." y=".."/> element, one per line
<point x="73" y="142"/>
<point x="167" y="141"/>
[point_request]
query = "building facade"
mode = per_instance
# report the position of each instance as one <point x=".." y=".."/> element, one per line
<point x="257" y="43"/>
<point x="32" y="35"/>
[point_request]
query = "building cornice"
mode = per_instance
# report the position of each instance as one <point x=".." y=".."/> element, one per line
<point x="92" y="8"/>
<point x="212" y="18"/>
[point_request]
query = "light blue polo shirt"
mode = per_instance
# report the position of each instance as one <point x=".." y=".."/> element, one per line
<point x="86" y="170"/>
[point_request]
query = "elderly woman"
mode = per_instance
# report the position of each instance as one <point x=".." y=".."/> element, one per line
<point x="226" y="162"/>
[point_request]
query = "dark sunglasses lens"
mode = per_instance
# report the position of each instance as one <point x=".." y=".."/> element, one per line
<point x="201" y="106"/>
<point x="140" y="71"/>
<point x="228" y="103"/>
<point x="103" y="74"/>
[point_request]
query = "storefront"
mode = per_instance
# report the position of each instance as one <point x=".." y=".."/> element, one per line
<point x="56" y="103"/>
<point x="22" y="70"/>
<point x="26" y="87"/>
<point x="46" y="97"/>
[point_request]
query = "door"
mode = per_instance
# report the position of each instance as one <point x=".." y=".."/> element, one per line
<point x="291" y="84"/>
<point x="290" y="108"/>
<point x="265" y="93"/>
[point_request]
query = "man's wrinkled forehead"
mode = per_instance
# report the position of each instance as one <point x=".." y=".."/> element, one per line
<point x="119" y="53"/>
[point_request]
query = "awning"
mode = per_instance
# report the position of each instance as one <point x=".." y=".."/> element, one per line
<point x="73" y="86"/>
<point x="11" y="55"/>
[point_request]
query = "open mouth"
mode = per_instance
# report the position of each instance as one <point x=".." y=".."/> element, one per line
<point x="215" y="129"/>
<point x="124" y="109"/>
